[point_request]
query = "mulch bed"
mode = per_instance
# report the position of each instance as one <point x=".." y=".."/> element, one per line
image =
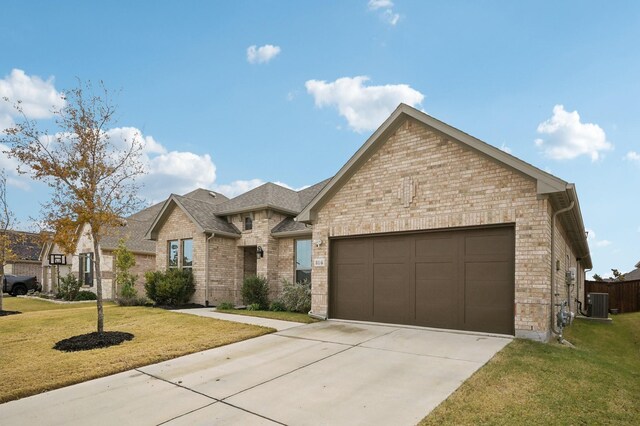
<point x="187" y="306"/>
<point x="95" y="340"/>
<point x="5" y="313"/>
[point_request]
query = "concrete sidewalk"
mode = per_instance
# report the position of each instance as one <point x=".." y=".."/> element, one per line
<point x="323" y="373"/>
<point x="265" y="322"/>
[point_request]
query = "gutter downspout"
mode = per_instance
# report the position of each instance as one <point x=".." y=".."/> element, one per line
<point x="579" y="307"/>
<point x="554" y="330"/>
<point x="206" y="270"/>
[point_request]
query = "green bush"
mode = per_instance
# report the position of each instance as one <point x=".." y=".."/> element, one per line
<point x="296" y="297"/>
<point x="255" y="290"/>
<point x="68" y="288"/>
<point x="85" y="295"/>
<point x="124" y="260"/>
<point x="277" y="306"/>
<point x="129" y="295"/>
<point x="171" y="288"/>
<point x="225" y="305"/>
<point x="254" y="307"/>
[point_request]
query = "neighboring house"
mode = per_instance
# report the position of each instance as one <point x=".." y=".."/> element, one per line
<point x="26" y="248"/>
<point x="54" y="265"/>
<point x="131" y="231"/>
<point x="633" y="275"/>
<point x="223" y="241"/>
<point x="425" y="225"/>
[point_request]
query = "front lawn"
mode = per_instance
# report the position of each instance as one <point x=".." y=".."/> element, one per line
<point x="598" y="382"/>
<point x="284" y="316"/>
<point x="30" y="365"/>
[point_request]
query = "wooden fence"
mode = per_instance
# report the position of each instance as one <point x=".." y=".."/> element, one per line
<point x="623" y="295"/>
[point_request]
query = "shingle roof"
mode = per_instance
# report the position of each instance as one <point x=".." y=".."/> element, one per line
<point x="289" y="225"/>
<point x="205" y="195"/>
<point x="633" y="275"/>
<point x="307" y="194"/>
<point x="25" y="245"/>
<point x="204" y="213"/>
<point x="269" y="195"/>
<point x="132" y="231"/>
<point x="137" y="225"/>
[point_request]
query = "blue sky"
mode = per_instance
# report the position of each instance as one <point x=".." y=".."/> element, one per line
<point x="320" y="77"/>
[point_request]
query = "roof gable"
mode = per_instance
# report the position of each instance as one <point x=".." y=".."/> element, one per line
<point x="546" y="183"/>
<point x="266" y="196"/>
<point x="201" y="213"/>
<point x="561" y="194"/>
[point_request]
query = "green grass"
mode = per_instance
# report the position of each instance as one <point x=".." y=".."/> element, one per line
<point x="284" y="316"/>
<point x="532" y="383"/>
<point x="30" y="365"/>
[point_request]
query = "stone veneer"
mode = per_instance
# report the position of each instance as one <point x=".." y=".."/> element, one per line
<point x="419" y="180"/>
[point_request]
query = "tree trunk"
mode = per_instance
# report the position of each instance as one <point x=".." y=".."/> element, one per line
<point x="2" y="289"/>
<point x="98" y="273"/>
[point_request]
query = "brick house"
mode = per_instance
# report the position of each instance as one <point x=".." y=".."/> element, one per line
<point x="425" y="225"/>
<point x="81" y="262"/>
<point x="25" y="248"/>
<point x="223" y="241"/>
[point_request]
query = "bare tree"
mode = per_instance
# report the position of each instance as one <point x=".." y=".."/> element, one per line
<point x="92" y="177"/>
<point x="7" y="221"/>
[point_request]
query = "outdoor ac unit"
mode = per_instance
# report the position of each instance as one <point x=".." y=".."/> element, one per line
<point x="598" y="305"/>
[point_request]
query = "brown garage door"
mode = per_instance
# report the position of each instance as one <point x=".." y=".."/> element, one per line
<point x="461" y="279"/>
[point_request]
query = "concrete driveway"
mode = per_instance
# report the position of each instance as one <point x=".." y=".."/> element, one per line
<point x="329" y="372"/>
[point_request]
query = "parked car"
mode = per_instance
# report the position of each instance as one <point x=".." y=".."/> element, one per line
<point x="17" y="285"/>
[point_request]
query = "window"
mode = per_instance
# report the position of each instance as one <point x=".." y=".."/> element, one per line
<point x="187" y="253"/>
<point x="180" y="253"/>
<point x="85" y="273"/>
<point x="172" y="254"/>
<point x="248" y="223"/>
<point x="303" y="260"/>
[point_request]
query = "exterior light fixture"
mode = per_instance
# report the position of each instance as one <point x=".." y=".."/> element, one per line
<point x="260" y="252"/>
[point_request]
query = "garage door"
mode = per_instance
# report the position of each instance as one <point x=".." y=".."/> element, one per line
<point x="461" y="279"/>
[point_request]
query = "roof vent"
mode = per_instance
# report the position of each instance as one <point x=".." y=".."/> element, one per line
<point x="213" y="194"/>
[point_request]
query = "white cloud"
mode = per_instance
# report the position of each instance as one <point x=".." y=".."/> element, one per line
<point x="387" y="13"/>
<point x="380" y="4"/>
<point x="593" y="241"/>
<point x="632" y="156"/>
<point x="38" y="97"/>
<point x="238" y="187"/>
<point x="168" y="172"/>
<point x="262" y="54"/>
<point x="505" y="148"/>
<point x="364" y="107"/>
<point x="568" y="138"/>
<point x="10" y="167"/>
<point x="390" y="17"/>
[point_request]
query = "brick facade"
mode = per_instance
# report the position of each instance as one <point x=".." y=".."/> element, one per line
<point x="419" y="180"/>
<point x="144" y="262"/>
<point x="226" y="256"/>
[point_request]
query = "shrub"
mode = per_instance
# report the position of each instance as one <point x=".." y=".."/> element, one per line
<point x="253" y="307"/>
<point x="255" y="290"/>
<point x="68" y="288"/>
<point x="124" y="260"/>
<point x="172" y="288"/>
<point x="277" y="306"/>
<point x="225" y="305"/>
<point x="129" y="295"/>
<point x="296" y="297"/>
<point x="85" y="295"/>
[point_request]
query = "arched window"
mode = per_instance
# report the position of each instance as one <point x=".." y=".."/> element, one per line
<point x="248" y="223"/>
